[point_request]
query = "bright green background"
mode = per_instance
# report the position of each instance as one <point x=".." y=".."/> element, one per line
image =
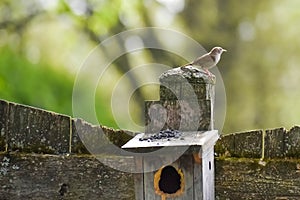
<point x="43" y="44"/>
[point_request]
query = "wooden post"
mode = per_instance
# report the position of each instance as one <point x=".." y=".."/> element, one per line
<point x="186" y="102"/>
<point x="179" y="134"/>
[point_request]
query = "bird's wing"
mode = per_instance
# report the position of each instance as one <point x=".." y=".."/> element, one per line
<point x="202" y="60"/>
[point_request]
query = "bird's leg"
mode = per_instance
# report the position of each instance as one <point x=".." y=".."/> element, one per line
<point x="208" y="72"/>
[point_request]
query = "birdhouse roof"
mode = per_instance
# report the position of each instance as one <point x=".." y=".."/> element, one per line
<point x="197" y="138"/>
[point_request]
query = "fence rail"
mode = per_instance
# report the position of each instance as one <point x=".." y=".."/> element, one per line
<point x="42" y="157"/>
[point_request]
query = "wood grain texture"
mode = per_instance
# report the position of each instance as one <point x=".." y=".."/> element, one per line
<point x="41" y="177"/>
<point x="36" y="176"/>
<point x="244" y="178"/>
<point x="208" y="177"/>
<point x="271" y="143"/>
<point x="292" y="143"/>
<point x="139" y="178"/>
<point x="184" y="115"/>
<point x="198" y="179"/>
<point x="275" y="142"/>
<point x="35" y="130"/>
<point x="3" y="124"/>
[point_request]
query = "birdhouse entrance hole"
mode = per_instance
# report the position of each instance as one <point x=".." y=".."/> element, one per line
<point x="169" y="182"/>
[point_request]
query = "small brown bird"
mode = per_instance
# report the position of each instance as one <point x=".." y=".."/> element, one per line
<point x="208" y="60"/>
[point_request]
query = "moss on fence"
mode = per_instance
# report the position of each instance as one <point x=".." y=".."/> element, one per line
<point x="47" y="159"/>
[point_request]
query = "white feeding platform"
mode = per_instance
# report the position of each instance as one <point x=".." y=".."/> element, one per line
<point x="197" y="138"/>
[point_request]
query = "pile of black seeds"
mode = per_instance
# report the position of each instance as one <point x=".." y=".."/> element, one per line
<point x="163" y="134"/>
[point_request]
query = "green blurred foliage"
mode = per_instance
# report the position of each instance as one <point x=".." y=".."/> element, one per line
<point x="38" y="85"/>
<point x="43" y="44"/>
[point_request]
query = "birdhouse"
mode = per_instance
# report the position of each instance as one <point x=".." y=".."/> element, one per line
<point x="175" y="156"/>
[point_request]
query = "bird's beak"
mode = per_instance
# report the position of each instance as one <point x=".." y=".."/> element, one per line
<point x="224" y="50"/>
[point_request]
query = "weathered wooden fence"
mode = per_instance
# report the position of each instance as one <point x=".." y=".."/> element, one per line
<point x="259" y="165"/>
<point x="42" y="157"/>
